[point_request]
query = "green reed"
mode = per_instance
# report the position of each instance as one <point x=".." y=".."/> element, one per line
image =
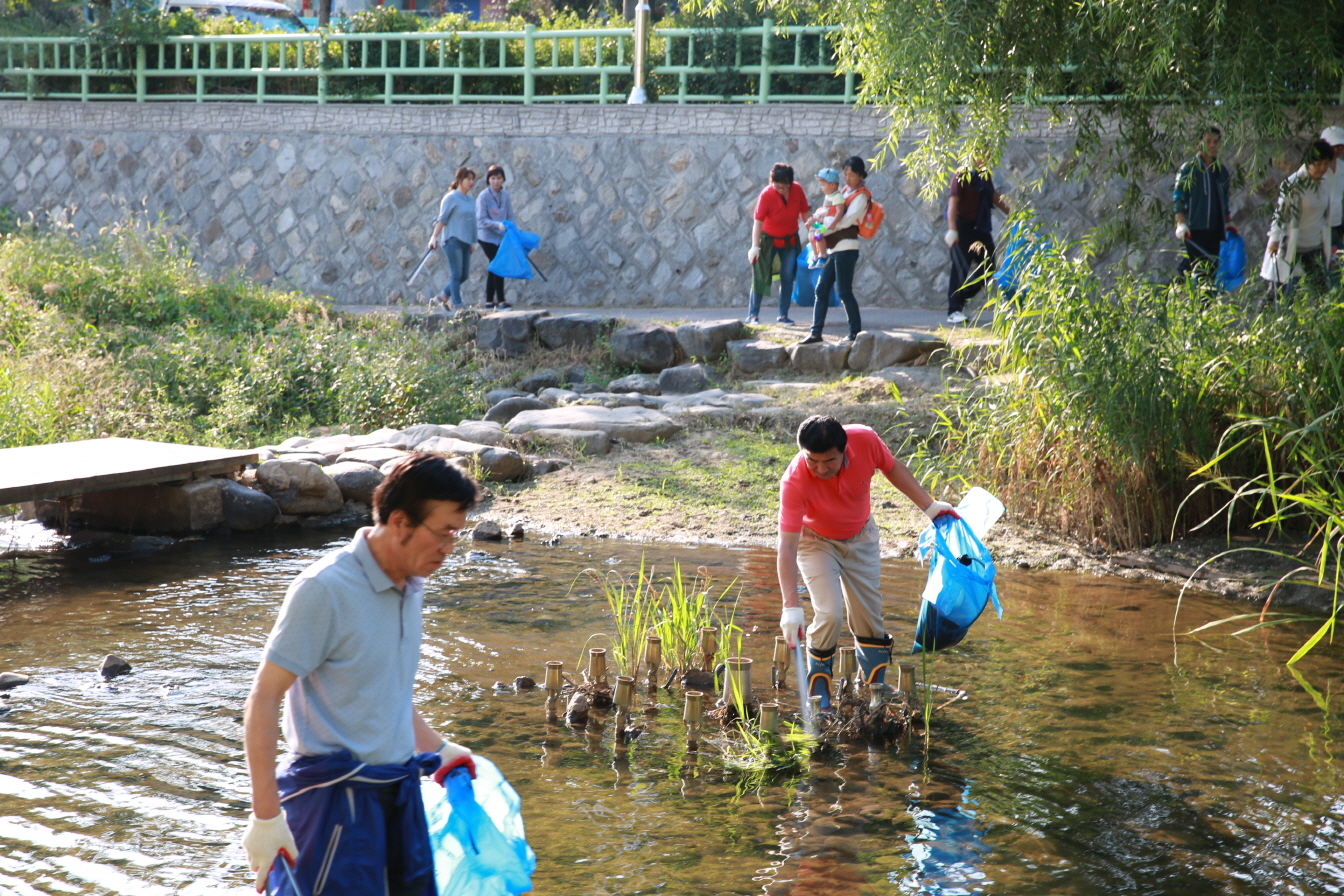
<point x="687" y="606"/>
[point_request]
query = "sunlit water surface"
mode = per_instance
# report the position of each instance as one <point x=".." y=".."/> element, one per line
<point x="1098" y="752"/>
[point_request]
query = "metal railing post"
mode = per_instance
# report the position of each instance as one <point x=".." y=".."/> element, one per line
<point x="767" y="32"/>
<point x="529" y="63"/>
<point x="638" y="96"/>
<point x="141" y="81"/>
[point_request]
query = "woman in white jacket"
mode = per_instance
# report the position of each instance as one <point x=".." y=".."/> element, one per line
<point x="1298" y="244"/>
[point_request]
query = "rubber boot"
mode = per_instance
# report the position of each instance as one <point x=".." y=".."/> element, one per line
<point x="819" y="675"/>
<point x="874" y="656"/>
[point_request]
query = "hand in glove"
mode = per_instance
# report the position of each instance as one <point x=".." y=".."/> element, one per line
<point x="950" y="238"/>
<point x="1182" y="231"/>
<point x="938" y="508"/>
<point x="454" y="756"/>
<point x="791" y="625"/>
<point x="266" y="840"/>
<point x="753" y="253"/>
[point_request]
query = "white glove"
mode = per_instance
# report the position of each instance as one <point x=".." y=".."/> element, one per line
<point x="264" y="840"/>
<point x="791" y="625"/>
<point x="950" y="238"/>
<point x="938" y="508"/>
<point x="753" y="253"/>
<point x="454" y="755"/>
<point x="1182" y="231"/>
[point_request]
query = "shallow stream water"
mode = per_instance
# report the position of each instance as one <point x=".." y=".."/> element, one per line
<point x="1098" y="752"/>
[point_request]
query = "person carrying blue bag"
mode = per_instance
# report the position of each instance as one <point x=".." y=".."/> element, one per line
<point x="345" y="813"/>
<point x="476" y="827"/>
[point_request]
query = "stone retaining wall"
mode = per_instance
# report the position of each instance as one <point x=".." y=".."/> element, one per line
<point x="636" y="206"/>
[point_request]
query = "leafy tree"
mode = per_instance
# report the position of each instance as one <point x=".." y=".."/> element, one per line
<point x="1153" y="70"/>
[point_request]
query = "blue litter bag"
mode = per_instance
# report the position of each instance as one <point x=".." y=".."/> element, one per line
<point x="511" y="259"/>
<point x="961" y="582"/>
<point x="805" y="285"/>
<point x="476" y="829"/>
<point x="1019" y="255"/>
<point x="1231" y="262"/>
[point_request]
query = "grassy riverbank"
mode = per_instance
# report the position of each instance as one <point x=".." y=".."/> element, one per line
<point x="123" y="335"/>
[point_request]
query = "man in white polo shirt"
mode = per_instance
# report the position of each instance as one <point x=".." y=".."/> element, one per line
<point x="342" y="656"/>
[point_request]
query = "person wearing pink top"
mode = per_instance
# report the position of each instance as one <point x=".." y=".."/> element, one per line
<point x="826" y="531"/>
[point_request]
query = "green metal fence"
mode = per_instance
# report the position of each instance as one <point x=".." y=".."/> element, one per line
<point x="758" y="64"/>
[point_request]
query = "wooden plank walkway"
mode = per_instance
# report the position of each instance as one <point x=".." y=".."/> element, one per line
<point x="41" y="472"/>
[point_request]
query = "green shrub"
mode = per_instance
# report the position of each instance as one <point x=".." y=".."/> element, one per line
<point x="125" y="336"/>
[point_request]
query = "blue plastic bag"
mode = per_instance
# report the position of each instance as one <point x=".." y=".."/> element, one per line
<point x="805" y="285"/>
<point x="1231" y="262"/>
<point x="1020" y="255"/>
<point x="511" y="259"/>
<point x="476" y="829"/>
<point x="960" y="583"/>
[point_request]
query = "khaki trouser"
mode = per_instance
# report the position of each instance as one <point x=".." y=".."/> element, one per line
<point x="842" y="573"/>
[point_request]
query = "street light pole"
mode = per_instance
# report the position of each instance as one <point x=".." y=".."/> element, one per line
<point x="637" y="94"/>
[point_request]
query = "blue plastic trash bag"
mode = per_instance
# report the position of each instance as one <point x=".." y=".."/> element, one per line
<point x="961" y="582"/>
<point x="805" y="285"/>
<point x="511" y="259"/>
<point x="1019" y="256"/>
<point x="1231" y="262"/>
<point x="476" y="829"/>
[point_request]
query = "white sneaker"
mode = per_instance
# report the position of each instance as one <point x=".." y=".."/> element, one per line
<point x="956" y="317"/>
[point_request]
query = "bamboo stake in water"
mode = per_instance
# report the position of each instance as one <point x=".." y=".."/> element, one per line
<point x="804" y="704"/>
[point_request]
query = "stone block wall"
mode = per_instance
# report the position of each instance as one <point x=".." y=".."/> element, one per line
<point x="635" y="205"/>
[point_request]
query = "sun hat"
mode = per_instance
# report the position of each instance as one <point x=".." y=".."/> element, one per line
<point x="1334" y="135"/>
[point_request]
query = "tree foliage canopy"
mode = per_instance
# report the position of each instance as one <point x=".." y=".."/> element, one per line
<point x="1150" y="70"/>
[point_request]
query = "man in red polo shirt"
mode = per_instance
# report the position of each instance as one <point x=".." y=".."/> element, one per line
<point x="774" y="234"/>
<point x="826" y="531"/>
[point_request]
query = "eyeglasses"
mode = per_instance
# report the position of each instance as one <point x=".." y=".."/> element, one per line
<point x="445" y="539"/>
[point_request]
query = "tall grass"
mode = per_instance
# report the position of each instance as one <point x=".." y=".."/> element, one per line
<point x="687" y="607"/>
<point x="122" y="334"/>
<point x="1105" y="398"/>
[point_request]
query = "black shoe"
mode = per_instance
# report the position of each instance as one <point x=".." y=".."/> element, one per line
<point x="503" y="306"/>
<point x="811" y="340"/>
<point x="847" y="340"/>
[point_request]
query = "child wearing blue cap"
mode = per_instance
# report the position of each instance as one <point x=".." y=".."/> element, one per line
<point x="828" y="179"/>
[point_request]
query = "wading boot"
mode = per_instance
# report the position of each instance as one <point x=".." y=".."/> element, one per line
<point x="874" y="656"/>
<point x="819" y="675"/>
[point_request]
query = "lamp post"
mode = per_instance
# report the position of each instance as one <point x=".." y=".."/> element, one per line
<point x="638" y="96"/>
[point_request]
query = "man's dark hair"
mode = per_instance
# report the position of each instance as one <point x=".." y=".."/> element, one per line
<point x="820" y="433"/>
<point x="781" y="173"/>
<point x="1319" y="151"/>
<point x="493" y="170"/>
<point x="1211" y="129"/>
<point x="418" y="478"/>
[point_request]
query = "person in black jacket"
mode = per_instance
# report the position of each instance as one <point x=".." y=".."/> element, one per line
<point x="1203" y="210"/>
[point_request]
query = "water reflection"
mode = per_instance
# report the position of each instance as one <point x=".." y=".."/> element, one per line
<point x="1098" y="752"/>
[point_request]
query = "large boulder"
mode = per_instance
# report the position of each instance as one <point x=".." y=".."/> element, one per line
<point x="628" y="424"/>
<point x="508" y="332"/>
<point x="509" y="408"/>
<point x="707" y="340"/>
<point x="556" y="396"/>
<point x="819" y="357"/>
<point x="642" y="383"/>
<point x="585" y="441"/>
<point x="374" y="457"/>
<point x="299" y="487"/>
<point x="246" y="509"/>
<point x="155" y="509"/>
<point x="495" y="396"/>
<point x="497" y="464"/>
<point x="913" y="379"/>
<point x="412" y="436"/>
<point x="10" y="680"/>
<point x="482" y="433"/>
<point x="651" y="347"/>
<point x="329" y="447"/>
<point x="756" y="355"/>
<point x="542" y="379"/>
<point x="356" y="480"/>
<point x="385" y="437"/>
<point x="875" y="349"/>
<point x="685" y="379"/>
<point x="573" y="330"/>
